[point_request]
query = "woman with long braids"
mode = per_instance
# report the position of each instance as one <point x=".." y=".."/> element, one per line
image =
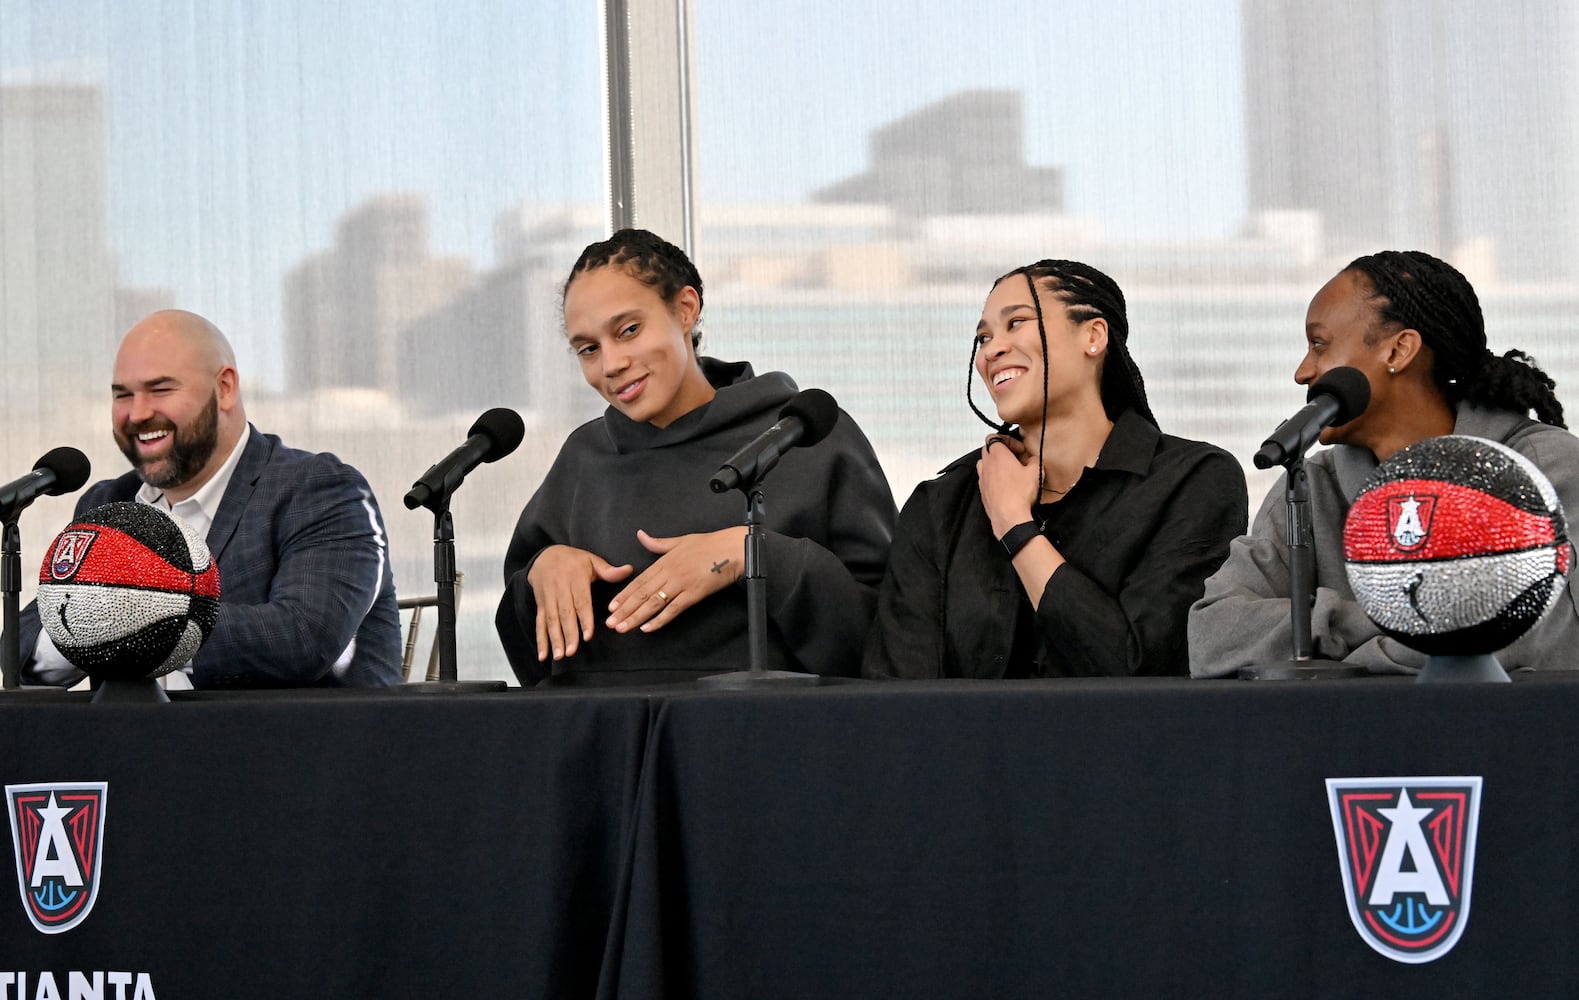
<point x="1412" y="324"/>
<point x="1074" y="541"/>
<point x="623" y="567"/>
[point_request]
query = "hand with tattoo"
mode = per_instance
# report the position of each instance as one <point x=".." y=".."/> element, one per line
<point x="690" y="568"/>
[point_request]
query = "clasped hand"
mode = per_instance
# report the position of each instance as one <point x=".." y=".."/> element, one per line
<point x="1009" y="480"/>
<point x="689" y="569"/>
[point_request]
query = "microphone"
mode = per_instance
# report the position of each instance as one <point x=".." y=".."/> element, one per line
<point x="62" y="470"/>
<point x="1336" y="398"/>
<point x="495" y="434"/>
<point x="805" y="419"/>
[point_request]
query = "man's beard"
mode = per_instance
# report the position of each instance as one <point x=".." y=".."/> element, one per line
<point x="190" y="447"/>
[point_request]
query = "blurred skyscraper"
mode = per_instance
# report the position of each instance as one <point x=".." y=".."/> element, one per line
<point x="1420" y="124"/>
<point x="516" y="308"/>
<point x="470" y="353"/>
<point x="56" y="272"/>
<point x="345" y="307"/>
<point x="1512" y="80"/>
<point x="962" y="155"/>
<point x="1316" y="121"/>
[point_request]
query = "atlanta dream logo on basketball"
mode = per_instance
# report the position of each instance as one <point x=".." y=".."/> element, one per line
<point x="1409" y="520"/>
<point x="1406" y="851"/>
<point x="71" y="547"/>
<point x="57" y="833"/>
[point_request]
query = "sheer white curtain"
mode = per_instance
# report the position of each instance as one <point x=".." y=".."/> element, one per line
<point x="866" y="171"/>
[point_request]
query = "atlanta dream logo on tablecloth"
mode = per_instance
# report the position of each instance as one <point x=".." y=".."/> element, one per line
<point x="1406" y="850"/>
<point x="57" y="833"/>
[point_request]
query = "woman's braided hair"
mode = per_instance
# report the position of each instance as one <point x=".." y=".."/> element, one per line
<point x="1414" y="290"/>
<point x="1086" y="294"/>
<point x="651" y="260"/>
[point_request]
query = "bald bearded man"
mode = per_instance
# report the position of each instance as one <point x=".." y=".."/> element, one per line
<point x="307" y="596"/>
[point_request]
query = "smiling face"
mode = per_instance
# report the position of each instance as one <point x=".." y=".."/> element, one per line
<point x="173" y="401"/>
<point x="1009" y="354"/>
<point x="634" y="348"/>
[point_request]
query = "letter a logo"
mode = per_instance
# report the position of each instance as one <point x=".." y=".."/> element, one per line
<point x="1409" y="520"/>
<point x="71" y="547"/>
<point x="57" y="834"/>
<point x="1406" y="851"/>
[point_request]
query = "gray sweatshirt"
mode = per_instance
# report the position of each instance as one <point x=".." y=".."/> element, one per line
<point x="1243" y="618"/>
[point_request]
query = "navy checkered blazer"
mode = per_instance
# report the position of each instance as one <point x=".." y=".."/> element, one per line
<point x="303" y="573"/>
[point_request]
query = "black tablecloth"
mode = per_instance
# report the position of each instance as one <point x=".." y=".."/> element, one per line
<point x="1143" y="838"/>
<point x="341" y="846"/>
<point x="1082" y="839"/>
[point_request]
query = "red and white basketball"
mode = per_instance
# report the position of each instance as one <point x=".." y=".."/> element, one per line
<point x="128" y="591"/>
<point x="1456" y="546"/>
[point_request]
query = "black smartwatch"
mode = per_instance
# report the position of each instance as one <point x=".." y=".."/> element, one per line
<point x="1017" y="537"/>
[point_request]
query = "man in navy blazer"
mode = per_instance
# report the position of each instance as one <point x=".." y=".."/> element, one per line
<point x="307" y="596"/>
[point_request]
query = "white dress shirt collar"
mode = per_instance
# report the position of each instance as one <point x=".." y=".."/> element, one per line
<point x="200" y="509"/>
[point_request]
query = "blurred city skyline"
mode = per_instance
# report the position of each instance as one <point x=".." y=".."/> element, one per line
<point x="235" y="137"/>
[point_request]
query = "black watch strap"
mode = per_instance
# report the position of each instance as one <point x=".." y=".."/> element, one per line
<point x="1017" y="537"/>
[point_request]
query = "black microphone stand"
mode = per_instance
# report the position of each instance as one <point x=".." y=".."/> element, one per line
<point x="10" y="635"/>
<point x="756" y="578"/>
<point x="1301" y="557"/>
<point x="444" y="578"/>
<point x="11" y="584"/>
<point x="1301" y="588"/>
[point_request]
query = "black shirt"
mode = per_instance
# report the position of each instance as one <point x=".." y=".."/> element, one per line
<point x="1141" y="531"/>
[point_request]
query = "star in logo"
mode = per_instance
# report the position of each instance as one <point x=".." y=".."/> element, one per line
<point x="1406" y="851"/>
<point x="1409" y="520"/>
<point x="57" y="836"/>
<point x="1408" y="531"/>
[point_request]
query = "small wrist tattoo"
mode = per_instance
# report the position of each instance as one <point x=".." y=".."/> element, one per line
<point x="718" y="567"/>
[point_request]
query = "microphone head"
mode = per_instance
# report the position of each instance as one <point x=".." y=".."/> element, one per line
<point x="1349" y="387"/>
<point x="70" y="467"/>
<point x="816" y="409"/>
<point x="501" y="426"/>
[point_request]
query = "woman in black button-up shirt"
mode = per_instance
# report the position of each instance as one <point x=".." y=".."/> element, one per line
<point x="1075" y="540"/>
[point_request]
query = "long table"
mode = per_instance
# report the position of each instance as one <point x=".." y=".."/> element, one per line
<point x="1026" y="839"/>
